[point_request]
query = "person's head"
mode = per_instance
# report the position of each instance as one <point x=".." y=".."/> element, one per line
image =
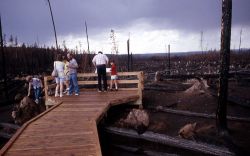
<point x="28" y="78"/>
<point x="100" y="52"/>
<point x="69" y="56"/>
<point x="63" y="57"/>
<point x="112" y="62"/>
<point x="58" y="57"/>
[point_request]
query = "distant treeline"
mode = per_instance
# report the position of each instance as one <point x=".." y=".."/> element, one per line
<point x="36" y="60"/>
<point x="33" y="60"/>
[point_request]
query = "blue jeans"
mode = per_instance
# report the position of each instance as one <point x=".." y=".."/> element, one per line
<point x="37" y="92"/>
<point x="73" y="84"/>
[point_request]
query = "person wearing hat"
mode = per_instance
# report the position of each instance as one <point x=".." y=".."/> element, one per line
<point x="100" y="61"/>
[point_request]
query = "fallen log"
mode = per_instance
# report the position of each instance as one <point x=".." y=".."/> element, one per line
<point x="194" y="114"/>
<point x="205" y="76"/>
<point x="163" y="89"/>
<point x="5" y="135"/>
<point x="171" y="141"/>
<point x="8" y="125"/>
<point x="144" y="152"/>
<point x="235" y="100"/>
<point x="239" y="101"/>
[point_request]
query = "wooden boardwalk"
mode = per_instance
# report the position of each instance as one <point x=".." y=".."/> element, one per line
<point x="68" y="128"/>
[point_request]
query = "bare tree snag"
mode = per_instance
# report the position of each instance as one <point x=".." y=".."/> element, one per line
<point x="221" y="113"/>
<point x="128" y="55"/>
<point x="54" y="27"/>
<point x="3" y="62"/>
<point x="169" y="59"/>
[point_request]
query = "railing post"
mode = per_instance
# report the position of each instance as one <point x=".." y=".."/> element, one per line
<point x="46" y="90"/>
<point x="140" y="76"/>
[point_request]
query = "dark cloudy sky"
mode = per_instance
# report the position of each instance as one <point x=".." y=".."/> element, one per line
<point x="152" y="24"/>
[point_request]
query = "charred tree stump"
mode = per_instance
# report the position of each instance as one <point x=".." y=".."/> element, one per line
<point x="221" y="113"/>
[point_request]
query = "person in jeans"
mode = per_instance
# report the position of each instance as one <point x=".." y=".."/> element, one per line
<point x="37" y="85"/>
<point x="100" y="61"/>
<point x="73" y="83"/>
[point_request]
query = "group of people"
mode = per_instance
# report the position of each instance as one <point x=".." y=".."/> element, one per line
<point x="66" y="69"/>
<point x="66" y="74"/>
<point x="100" y="61"/>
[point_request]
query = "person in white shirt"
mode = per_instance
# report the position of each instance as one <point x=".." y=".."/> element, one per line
<point x="73" y="83"/>
<point x="100" y="61"/>
<point x="59" y="67"/>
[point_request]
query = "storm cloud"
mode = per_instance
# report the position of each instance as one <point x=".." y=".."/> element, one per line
<point x="30" y="20"/>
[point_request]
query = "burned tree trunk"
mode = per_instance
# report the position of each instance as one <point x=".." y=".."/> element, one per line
<point x="221" y="113"/>
<point x="169" y="59"/>
<point x="54" y="27"/>
<point x="3" y="62"/>
<point x="128" y="55"/>
<point x="88" y="54"/>
<point x="131" y="61"/>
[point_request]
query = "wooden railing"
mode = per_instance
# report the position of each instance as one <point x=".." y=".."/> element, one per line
<point x="126" y="81"/>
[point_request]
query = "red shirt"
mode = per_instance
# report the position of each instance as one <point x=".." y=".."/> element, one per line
<point x="113" y="70"/>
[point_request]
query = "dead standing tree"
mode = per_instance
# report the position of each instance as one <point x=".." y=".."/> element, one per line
<point x="54" y="27"/>
<point x="169" y="60"/>
<point x="221" y="113"/>
<point x="88" y="53"/>
<point x="128" y="55"/>
<point x="3" y="62"/>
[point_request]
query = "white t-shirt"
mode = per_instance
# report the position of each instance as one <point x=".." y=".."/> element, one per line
<point x="100" y="59"/>
<point x="59" y="66"/>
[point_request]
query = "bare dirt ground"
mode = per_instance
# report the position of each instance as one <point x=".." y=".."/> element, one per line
<point x="199" y="102"/>
<point x="172" y="94"/>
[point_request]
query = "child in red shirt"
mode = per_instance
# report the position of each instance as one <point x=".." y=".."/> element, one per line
<point x="114" y="76"/>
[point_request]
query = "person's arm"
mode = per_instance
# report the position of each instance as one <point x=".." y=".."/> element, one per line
<point x="107" y="60"/>
<point x="41" y="83"/>
<point x="94" y="61"/>
<point x="29" y="88"/>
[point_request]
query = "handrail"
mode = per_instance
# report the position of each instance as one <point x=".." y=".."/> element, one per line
<point x="135" y="82"/>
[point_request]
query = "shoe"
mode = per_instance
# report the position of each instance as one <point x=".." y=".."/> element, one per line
<point x="68" y="94"/>
<point x="116" y="89"/>
<point x="105" y="90"/>
<point x="66" y="91"/>
<point x="56" y="95"/>
<point x="99" y="91"/>
<point x="61" y="95"/>
<point x="76" y="94"/>
<point x="111" y="90"/>
<point x="36" y="101"/>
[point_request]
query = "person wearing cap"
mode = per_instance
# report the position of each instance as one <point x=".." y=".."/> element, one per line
<point x="73" y="83"/>
<point x="100" y="61"/>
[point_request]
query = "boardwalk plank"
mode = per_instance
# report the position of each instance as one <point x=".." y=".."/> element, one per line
<point x="70" y="128"/>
